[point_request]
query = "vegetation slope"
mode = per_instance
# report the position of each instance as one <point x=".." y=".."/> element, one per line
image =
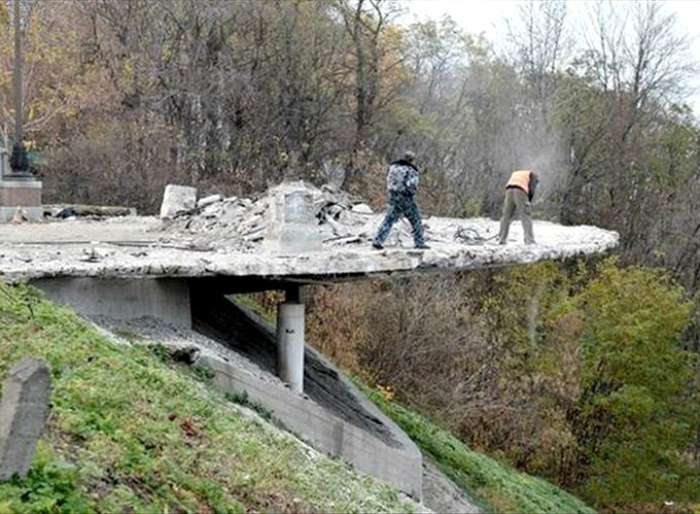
<point x="129" y="432"/>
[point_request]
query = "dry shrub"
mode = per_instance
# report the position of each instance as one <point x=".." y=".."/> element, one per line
<point x="336" y="322"/>
<point x="119" y="163"/>
<point x="410" y="335"/>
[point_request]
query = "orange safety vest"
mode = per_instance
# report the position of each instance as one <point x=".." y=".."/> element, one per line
<point x="520" y="179"/>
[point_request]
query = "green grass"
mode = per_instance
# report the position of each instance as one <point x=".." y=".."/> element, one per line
<point x="130" y="432"/>
<point x="496" y="487"/>
<point x="249" y="302"/>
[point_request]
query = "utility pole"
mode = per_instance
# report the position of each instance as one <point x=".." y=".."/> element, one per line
<point x="20" y="191"/>
<point x="18" y="161"/>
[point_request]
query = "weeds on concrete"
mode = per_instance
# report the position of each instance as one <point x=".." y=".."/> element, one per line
<point x="244" y="400"/>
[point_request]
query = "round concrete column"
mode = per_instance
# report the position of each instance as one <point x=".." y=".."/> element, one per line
<point x="290" y="344"/>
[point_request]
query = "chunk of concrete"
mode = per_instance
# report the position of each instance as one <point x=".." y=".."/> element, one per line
<point x="292" y="225"/>
<point x="362" y="208"/>
<point x="209" y="200"/>
<point x="177" y="199"/>
<point x="23" y="411"/>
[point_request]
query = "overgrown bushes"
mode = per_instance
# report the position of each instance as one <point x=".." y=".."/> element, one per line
<point x="576" y="374"/>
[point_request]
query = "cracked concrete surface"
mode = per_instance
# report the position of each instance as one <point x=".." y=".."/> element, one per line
<point x="227" y="237"/>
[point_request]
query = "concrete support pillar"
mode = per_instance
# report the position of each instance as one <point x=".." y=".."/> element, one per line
<point x="290" y="344"/>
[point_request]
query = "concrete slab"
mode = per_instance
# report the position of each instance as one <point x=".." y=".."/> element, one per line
<point x="228" y="238"/>
<point x="124" y="249"/>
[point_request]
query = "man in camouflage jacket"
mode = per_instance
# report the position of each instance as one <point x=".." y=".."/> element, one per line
<point x="402" y="183"/>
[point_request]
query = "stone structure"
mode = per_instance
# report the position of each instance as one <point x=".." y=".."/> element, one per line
<point x="177" y="199"/>
<point x="4" y="161"/>
<point x="20" y="191"/>
<point x="165" y="299"/>
<point x="268" y="237"/>
<point x="295" y="235"/>
<point x="292" y="226"/>
<point x="23" y="411"/>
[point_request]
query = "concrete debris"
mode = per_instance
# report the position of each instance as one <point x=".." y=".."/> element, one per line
<point x="65" y="211"/>
<point x="19" y="217"/>
<point x="177" y="200"/>
<point x="208" y="200"/>
<point x="231" y="236"/>
<point x="235" y="223"/>
<point x="362" y="208"/>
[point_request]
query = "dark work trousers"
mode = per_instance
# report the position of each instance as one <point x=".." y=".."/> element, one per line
<point x="516" y="202"/>
<point x="400" y="205"/>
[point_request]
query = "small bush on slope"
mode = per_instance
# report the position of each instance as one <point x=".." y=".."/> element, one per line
<point x="128" y="433"/>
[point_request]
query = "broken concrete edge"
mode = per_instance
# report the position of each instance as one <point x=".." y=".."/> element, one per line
<point x="347" y="265"/>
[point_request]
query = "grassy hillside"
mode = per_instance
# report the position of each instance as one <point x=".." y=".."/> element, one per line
<point x="498" y="488"/>
<point x="130" y="433"/>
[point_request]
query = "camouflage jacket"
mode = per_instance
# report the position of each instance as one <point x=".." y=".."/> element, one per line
<point x="402" y="178"/>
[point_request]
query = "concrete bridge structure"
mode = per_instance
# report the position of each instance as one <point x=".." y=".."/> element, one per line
<point x="186" y="270"/>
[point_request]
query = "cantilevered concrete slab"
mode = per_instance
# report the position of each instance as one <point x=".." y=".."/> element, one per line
<point x="231" y="238"/>
<point x="141" y="247"/>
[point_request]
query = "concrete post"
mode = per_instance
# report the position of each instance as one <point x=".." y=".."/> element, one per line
<point x="290" y="344"/>
<point x="23" y="411"/>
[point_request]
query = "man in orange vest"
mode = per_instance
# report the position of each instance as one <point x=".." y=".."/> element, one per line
<point x="519" y="193"/>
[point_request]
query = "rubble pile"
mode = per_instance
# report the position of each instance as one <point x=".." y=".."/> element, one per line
<point x="241" y="223"/>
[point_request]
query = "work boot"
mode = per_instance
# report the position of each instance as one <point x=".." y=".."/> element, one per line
<point x="377" y="246"/>
<point x="422" y="246"/>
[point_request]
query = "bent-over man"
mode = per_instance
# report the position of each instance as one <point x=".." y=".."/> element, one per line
<point x="402" y="184"/>
<point x="520" y="191"/>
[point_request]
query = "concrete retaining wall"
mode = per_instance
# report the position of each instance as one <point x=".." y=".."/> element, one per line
<point x="163" y="298"/>
<point x="400" y="466"/>
<point x="398" y="462"/>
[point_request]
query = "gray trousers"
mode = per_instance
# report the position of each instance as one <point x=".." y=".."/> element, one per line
<point x="516" y="202"/>
<point x="400" y="205"/>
